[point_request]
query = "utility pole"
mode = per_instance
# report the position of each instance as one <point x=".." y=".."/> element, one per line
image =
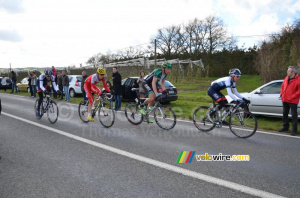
<point x="155" y="53"/>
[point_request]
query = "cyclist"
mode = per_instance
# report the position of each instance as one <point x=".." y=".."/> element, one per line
<point x="42" y="86"/>
<point x="157" y="77"/>
<point x="90" y="86"/>
<point x="228" y="83"/>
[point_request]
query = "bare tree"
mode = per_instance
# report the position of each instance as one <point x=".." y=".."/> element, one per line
<point x="169" y="40"/>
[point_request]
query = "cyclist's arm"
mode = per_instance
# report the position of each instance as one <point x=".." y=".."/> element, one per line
<point x="53" y="83"/>
<point x="95" y="89"/>
<point x="229" y="92"/>
<point x="105" y="86"/>
<point x="237" y="93"/>
<point x="154" y="81"/>
<point x="41" y="79"/>
<point x="163" y="85"/>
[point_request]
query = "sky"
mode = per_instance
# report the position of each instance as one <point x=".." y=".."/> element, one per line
<point x="42" y="33"/>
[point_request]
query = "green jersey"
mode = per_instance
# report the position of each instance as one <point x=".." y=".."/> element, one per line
<point x="158" y="74"/>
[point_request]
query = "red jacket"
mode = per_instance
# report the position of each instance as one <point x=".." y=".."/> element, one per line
<point x="290" y="91"/>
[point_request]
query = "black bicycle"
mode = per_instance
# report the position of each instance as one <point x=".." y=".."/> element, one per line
<point x="242" y="123"/>
<point x="164" y="116"/>
<point x="106" y="114"/>
<point x="48" y="106"/>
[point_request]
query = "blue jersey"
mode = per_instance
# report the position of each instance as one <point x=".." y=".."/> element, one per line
<point x="42" y="81"/>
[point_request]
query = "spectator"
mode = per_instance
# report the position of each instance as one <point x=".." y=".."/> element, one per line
<point x="14" y="82"/>
<point x="33" y="84"/>
<point x="55" y="79"/>
<point x="117" y="87"/>
<point x="3" y="82"/>
<point x="65" y="83"/>
<point x="109" y="86"/>
<point x="140" y="82"/>
<point x="29" y="84"/>
<point x="84" y="77"/>
<point x="59" y="83"/>
<point x="290" y="94"/>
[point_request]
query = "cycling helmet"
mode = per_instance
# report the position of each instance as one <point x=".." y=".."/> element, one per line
<point x="166" y="65"/>
<point x="48" y="72"/>
<point x="235" y="72"/>
<point x="101" y="71"/>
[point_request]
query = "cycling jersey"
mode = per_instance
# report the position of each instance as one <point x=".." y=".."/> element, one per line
<point x="42" y="83"/>
<point x="220" y="84"/>
<point x="158" y="74"/>
<point x="90" y="86"/>
<point x="147" y="84"/>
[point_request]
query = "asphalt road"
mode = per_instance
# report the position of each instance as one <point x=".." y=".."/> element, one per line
<point x="75" y="159"/>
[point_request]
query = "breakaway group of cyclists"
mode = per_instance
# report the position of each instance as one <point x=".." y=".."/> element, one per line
<point x="150" y="84"/>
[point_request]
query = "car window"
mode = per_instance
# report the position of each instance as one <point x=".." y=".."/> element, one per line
<point x="123" y="81"/>
<point x="78" y="79"/>
<point x="273" y="88"/>
<point x="8" y="80"/>
<point x="70" y="80"/>
<point x="128" y="82"/>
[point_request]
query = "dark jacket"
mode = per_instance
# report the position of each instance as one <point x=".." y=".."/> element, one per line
<point x="83" y="78"/>
<point x="14" y="77"/>
<point x="117" y="87"/>
<point x="290" y="90"/>
<point x="59" y="80"/>
<point x="65" y="80"/>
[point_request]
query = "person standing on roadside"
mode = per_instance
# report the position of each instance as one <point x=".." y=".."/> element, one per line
<point x="60" y="86"/>
<point x="55" y="79"/>
<point x="29" y="83"/>
<point x="84" y="77"/>
<point x="290" y="95"/>
<point x="33" y="84"/>
<point x="65" y="83"/>
<point x="14" y="82"/>
<point x="117" y="87"/>
<point x="140" y="82"/>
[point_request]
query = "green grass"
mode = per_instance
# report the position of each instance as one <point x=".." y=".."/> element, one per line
<point x="193" y="93"/>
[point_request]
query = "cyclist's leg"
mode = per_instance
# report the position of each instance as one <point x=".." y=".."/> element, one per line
<point x="91" y="101"/>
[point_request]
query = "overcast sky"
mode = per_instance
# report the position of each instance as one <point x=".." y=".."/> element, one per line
<point x="42" y="33"/>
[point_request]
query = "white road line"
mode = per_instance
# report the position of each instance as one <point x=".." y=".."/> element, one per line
<point x="186" y="172"/>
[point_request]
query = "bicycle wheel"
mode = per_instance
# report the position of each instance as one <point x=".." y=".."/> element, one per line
<point x="35" y="108"/>
<point x="83" y="111"/>
<point x="106" y="115"/>
<point x="52" y="112"/>
<point x="242" y="123"/>
<point x="165" y="117"/>
<point x="201" y="121"/>
<point x="133" y="114"/>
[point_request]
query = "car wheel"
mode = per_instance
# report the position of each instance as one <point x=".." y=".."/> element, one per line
<point x="72" y="93"/>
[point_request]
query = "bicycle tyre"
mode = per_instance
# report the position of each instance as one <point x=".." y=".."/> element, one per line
<point x="133" y="114"/>
<point x="242" y="123"/>
<point x="41" y="107"/>
<point x="168" y="118"/>
<point x="52" y="110"/>
<point x="106" y="115"/>
<point x="201" y="121"/>
<point x="83" y="111"/>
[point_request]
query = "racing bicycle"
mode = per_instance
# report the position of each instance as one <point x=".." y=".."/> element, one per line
<point x="106" y="114"/>
<point x="242" y="123"/>
<point x="164" y="116"/>
<point x="48" y="106"/>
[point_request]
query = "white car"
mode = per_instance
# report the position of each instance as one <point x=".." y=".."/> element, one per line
<point x="74" y="85"/>
<point x="266" y="100"/>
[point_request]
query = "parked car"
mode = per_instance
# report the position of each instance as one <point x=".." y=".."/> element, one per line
<point x="5" y="83"/>
<point x="266" y="100"/>
<point x="74" y="85"/>
<point x="23" y="85"/>
<point x="131" y="82"/>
